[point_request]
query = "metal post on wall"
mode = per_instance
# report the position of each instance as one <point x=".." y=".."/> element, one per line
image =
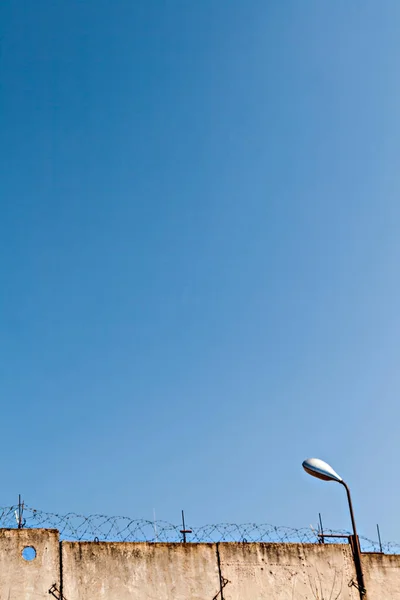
<point x="355" y="544"/>
<point x="184" y="531"/>
<point x="322" y="470"/>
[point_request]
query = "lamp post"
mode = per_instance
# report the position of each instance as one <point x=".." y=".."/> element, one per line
<point x="320" y="469"/>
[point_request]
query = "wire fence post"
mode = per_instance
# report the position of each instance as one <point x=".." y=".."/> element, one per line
<point x="184" y="531"/>
<point x="321" y="529"/>
<point x="379" y="538"/>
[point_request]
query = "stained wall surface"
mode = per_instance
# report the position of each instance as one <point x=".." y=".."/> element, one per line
<point x="21" y="579"/>
<point x="287" y="571"/>
<point x="382" y="576"/>
<point x="226" y="571"/>
<point x="126" y="571"/>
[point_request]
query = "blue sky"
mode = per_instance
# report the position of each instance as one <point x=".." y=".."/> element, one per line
<point x="199" y="264"/>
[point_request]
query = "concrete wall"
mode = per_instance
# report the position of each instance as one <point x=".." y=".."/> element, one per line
<point x="147" y="571"/>
<point x="287" y="571"/>
<point x="122" y="571"/>
<point x="28" y="580"/>
<point x="382" y="576"/>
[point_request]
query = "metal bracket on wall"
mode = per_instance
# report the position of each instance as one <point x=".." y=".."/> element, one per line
<point x="224" y="582"/>
<point x="54" y="591"/>
<point x="353" y="583"/>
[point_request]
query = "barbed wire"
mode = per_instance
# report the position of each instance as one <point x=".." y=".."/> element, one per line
<point x="75" y="527"/>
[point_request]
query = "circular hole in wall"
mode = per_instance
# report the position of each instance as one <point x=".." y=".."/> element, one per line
<point x="29" y="553"/>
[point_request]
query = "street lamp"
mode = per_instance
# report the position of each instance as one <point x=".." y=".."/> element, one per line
<point x="320" y="469"/>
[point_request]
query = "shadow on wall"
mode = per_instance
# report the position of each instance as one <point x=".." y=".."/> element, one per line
<point x="323" y="590"/>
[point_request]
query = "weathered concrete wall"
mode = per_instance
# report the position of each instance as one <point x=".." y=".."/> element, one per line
<point x="147" y="571"/>
<point x="122" y="571"/>
<point x="287" y="571"/>
<point x="28" y="580"/>
<point x="382" y="576"/>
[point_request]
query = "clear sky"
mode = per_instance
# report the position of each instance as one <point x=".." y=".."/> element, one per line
<point x="200" y="258"/>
